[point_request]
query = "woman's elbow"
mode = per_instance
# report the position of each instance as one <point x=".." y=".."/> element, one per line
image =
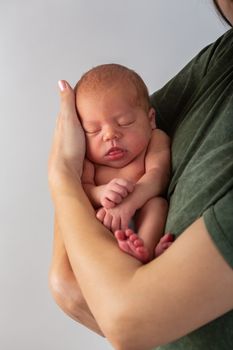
<point x="123" y="330"/>
<point x="66" y="294"/>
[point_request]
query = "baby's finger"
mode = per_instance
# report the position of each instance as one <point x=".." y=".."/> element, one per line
<point x="108" y="221"/>
<point x="121" y="190"/>
<point x="116" y="223"/>
<point x="129" y="185"/>
<point x="101" y="214"/>
<point x="124" y="224"/>
<point x="106" y="203"/>
<point x="114" y="197"/>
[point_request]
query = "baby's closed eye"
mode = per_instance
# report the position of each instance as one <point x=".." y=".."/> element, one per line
<point x="126" y="122"/>
<point x="92" y="132"/>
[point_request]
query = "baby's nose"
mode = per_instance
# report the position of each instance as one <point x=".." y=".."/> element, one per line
<point x="111" y="133"/>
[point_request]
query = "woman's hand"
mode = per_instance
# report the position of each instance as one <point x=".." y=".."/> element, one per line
<point x="68" y="145"/>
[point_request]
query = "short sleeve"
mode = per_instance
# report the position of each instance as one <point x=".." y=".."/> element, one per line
<point x="219" y="223"/>
<point x="173" y="101"/>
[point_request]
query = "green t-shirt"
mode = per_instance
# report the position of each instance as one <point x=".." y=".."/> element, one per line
<point x="196" y="109"/>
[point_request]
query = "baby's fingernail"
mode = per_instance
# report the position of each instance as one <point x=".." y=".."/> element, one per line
<point x="62" y="85"/>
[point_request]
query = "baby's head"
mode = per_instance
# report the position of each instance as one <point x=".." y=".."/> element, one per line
<point x="103" y="78"/>
<point x="114" y="108"/>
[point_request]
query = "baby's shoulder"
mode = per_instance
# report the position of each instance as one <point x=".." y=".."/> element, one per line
<point x="158" y="134"/>
<point x="159" y="140"/>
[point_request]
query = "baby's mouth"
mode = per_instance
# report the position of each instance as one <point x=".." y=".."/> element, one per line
<point x="113" y="150"/>
<point x="115" y="153"/>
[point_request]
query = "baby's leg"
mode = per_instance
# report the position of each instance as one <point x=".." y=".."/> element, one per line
<point x="164" y="243"/>
<point x="150" y="221"/>
<point x="131" y="244"/>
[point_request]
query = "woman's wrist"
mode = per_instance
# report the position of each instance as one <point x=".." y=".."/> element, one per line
<point x="64" y="182"/>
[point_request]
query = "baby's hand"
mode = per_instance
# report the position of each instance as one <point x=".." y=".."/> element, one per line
<point x="115" y="191"/>
<point x="116" y="218"/>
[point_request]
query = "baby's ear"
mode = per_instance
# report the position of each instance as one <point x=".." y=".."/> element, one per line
<point x="152" y="116"/>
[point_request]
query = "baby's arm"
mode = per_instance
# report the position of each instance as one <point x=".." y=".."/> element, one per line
<point x="155" y="180"/>
<point x="89" y="184"/>
<point x="107" y="195"/>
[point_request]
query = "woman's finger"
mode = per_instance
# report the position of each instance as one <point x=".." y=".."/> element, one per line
<point x="68" y="145"/>
<point x="67" y="100"/>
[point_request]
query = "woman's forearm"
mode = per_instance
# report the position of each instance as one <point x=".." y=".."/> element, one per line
<point x="96" y="260"/>
<point x="65" y="287"/>
<point x="122" y="293"/>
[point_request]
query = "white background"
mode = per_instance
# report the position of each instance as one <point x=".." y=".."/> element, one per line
<point x="40" y="43"/>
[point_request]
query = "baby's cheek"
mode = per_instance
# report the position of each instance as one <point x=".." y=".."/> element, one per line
<point x="92" y="150"/>
<point x="89" y="148"/>
<point x="91" y="142"/>
<point x="139" y="141"/>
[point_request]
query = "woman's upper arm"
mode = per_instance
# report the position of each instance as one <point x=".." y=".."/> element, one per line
<point x="188" y="286"/>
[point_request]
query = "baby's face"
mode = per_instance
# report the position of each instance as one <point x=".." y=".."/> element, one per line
<point x="117" y="132"/>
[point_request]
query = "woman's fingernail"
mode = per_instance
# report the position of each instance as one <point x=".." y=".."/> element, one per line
<point x="62" y="85"/>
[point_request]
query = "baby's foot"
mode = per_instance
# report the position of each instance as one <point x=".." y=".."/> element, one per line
<point x="164" y="243"/>
<point x="130" y="243"/>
